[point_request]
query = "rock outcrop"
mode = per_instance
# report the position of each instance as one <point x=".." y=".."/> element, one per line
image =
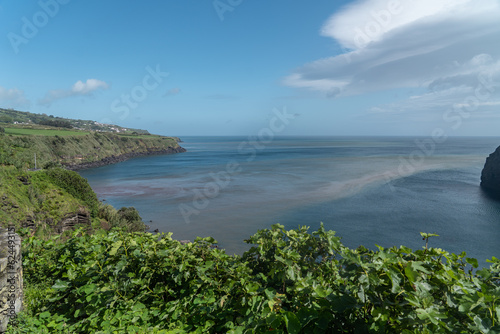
<point x="67" y="223"/>
<point x="490" y="176"/>
<point x="70" y="221"/>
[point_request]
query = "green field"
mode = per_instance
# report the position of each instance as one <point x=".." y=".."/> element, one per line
<point x="44" y="132"/>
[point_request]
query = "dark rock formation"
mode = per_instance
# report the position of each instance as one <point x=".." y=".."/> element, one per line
<point x="119" y="158"/>
<point x="73" y="219"/>
<point x="67" y="223"/>
<point x="29" y="223"/>
<point x="490" y="176"/>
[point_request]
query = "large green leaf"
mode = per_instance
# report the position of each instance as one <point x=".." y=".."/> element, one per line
<point x="292" y="323"/>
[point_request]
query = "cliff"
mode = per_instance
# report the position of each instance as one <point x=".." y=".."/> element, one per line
<point x="55" y="200"/>
<point x="490" y="176"/>
<point x="78" y="164"/>
<point x="80" y="149"/>
<point x="39" y="199"/>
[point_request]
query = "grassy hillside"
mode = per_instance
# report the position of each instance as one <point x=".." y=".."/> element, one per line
<point x="54" y="197"/>
<point x="69" y="142"/>
<point x="32" y="196"/>
<point x="24" y="118"/>
<point x="22" y="131"/>
<point x="67" y="147"/>
<point x="48" y="201"/>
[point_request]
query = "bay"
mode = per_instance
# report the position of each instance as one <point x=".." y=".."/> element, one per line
<point x="371" y="190"/>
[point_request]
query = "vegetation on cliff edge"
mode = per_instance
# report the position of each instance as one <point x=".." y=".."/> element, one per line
<point x="42" y="199"/>
<point x="289" y="282"/>
<point x="20" y="150"/>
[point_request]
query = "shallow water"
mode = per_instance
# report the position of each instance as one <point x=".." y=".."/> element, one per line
<point x="371" y="191"/>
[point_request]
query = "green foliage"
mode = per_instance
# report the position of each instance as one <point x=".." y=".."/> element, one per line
<point x="51" y="164"/>
<point x="58" y="123"/>
<point x="127" y="218"/>
<point x="288" y="282"/>
<point x="33" y="196"/>
<point x="75" y="185"/>
<point x="426" y="236"/>
<point x="6" y="118"/>
<point x="132" y="283"/>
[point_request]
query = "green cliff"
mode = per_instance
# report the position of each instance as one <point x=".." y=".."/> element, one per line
<point x="56" y="199"/>
<point x="74" y="149"/>
<point x="33" y="199"/>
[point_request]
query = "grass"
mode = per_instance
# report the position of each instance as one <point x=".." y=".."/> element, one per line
<point x="38" y="198"/>
<point x="44" y="132"/>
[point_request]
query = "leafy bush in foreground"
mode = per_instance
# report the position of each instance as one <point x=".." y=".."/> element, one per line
<point x="289" y="282"/>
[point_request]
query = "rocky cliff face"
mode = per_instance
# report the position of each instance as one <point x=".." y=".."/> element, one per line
<point x="122" y="157"/>
<point x="81" y="151"/>
<point x="490" y="177"/>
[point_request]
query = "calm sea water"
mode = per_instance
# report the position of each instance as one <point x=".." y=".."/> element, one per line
<point x="372" y="191"/>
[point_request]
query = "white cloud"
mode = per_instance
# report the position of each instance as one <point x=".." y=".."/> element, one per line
<point x="405" y="43"/>
<point x="365" y="21"/>
<point x="13" y="97"/>
<point x="475" y="92"/>
<point x="80" y="88"/>
<point x="85" y="88"/>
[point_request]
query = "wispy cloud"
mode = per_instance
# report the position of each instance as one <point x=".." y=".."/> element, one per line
<point x="172" y="92"/>
<point x="13" y="97"/>
<point x="80" y="88"/>
<point x="476" y="88"/>
<point x="435" y="44"/>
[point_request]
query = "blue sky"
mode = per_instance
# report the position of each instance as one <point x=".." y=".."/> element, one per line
<point x="224" y="67"/>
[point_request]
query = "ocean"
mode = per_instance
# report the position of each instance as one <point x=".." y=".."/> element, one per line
<point x="370" y="190"/>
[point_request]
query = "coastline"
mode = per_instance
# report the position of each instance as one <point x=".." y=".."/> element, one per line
<point x="120" y="158"/>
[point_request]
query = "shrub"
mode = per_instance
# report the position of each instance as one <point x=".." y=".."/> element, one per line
<point x="126" y="218"/>
<point x="132" y="219"/>
<point x="51" y="164"/>
<point x="289" y="282"/>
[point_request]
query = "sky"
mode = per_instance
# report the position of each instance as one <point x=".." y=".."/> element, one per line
<point x="231" y="67"/>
